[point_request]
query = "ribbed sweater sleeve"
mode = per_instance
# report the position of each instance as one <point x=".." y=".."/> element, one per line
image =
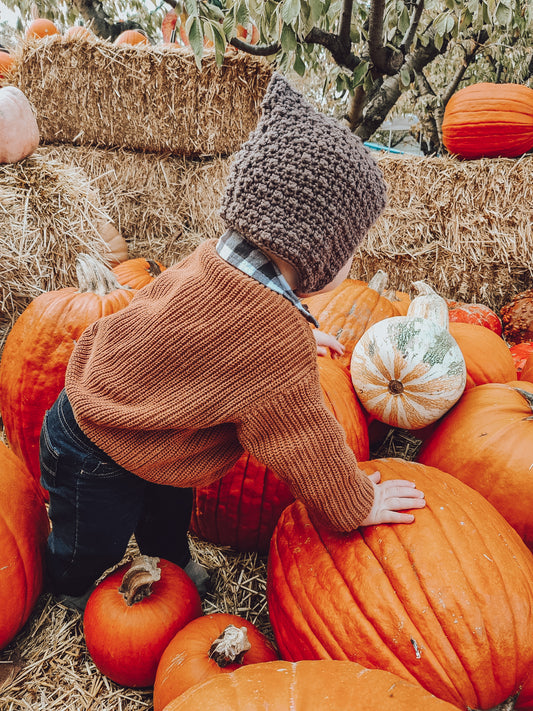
<point x="298" y="438"/>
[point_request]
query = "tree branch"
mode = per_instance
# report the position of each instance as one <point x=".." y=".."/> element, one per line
<point x="345" y="24"/>
<point x="413" y="26"/>
<point x="259" y="50"/>
<point x="343" y="56"/>
<point x="385" y="60"/>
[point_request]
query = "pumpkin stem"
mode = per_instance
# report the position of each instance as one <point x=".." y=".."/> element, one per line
<point x="138" y="579"/>
<point x="429" y="304"/>
<point x="95" y="277"/>
<point x="230" y="647"/>
<point x="528" y="397"/>
<point x="379" y="281"/>
<point x="153" y="268"/>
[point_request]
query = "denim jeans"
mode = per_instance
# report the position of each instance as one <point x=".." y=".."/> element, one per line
<point x="96" y="505"/>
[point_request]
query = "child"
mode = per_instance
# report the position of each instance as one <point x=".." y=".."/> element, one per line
<point x="215" y="357"/>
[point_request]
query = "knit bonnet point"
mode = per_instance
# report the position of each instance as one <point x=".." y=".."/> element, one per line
<point x="303" y="187"/>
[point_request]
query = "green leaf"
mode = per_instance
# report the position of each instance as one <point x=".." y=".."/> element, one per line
<point x="242" y="16"/>
<point x="290" y="10"/>
<point x="405" y="76"/>
<point x="288" y="39"/>
<point x="504" y="14"/>
<point x="299" y="66"/>
<point x="214" y="12"/>
<point x="316" y="10"/>
<point x="191" y="8"/>
<point x="219" y="38"/>
<point x="450" y="4"/>
<point x="193" y="28"/>
<point x="359" y="73"/>
<point x="438" y="42"/>
<point x="229" y="23"/>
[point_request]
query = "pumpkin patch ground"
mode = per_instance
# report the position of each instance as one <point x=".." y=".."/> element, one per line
<point x="143" y="200"/>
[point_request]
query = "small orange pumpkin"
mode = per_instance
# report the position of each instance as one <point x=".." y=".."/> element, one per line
<point x="6" y="62"/>
<point x="78" y="32"/>
<point x="40" y="27"/>
<point x="208" y="647"/>
<point x="137" y="272"/>
<point x="131" y="37"/>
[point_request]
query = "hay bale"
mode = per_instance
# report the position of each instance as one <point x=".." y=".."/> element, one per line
<point x="87" y="91"/>
<point x="163" y="205"/>
<point x="463" y="226"/>
<point x="49" y="213"/>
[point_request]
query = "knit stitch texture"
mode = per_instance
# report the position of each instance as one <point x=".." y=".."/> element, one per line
<point x="303" y="187"/>
<point x="203" y="364"/>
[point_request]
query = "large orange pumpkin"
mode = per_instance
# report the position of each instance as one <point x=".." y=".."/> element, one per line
<point x="487" y="442"/>
<point x="446" y="601"/>
<point x="350" y="309"/>
<point x="207" y="647"/>
<point x="487" y="356"/>
<point x="489" y="120"/>
<point x="308" y="686"/>
<point x="241" y="509"/>
<point x="23" y="532"/>
<point x="38" y="347"/>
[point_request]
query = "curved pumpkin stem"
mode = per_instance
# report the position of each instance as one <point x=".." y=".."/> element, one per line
<point x="95" y="277"/>
<point x="379" y="281"/>
<point x="529" y="399"/>
<point x="153" y="268"/>
<point x="429" y="304"/>
<point x="230" y="647"/>
<point x="138" y="579"/>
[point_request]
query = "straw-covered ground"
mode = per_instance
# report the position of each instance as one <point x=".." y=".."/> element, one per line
<point x="47" y="666"/>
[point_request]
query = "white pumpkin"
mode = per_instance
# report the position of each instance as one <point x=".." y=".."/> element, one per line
<point x="19" y="133"/>
<point x="408" y="371"/>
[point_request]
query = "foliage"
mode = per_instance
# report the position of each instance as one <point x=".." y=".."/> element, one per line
<point x="361" y="60"/>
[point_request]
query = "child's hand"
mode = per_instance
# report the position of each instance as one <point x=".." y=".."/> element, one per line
<point x="390" y="497"/>
<point x="325" y="341"/>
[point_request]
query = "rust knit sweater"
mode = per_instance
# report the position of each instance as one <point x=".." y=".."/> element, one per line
<point x="204" y="363"/>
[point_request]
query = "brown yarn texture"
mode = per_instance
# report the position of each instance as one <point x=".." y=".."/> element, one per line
<point x="303" y="187"/>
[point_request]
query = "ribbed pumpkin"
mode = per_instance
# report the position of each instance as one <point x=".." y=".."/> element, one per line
<point x="38" y="347"/>
<point x="487" y="442"/>
<point x="133" y="614"/>
<point x="479" y="314"/>
<point x="23" y="533"/>
<point x="241" y="509"/>
<point x="527" y="370"/>
<point x="350" y="309"/>
<point x="207" y="647"/>
<point x="19" y="133"/>
<point x="489" y="120"/>
<point x="137" y="272"/>
<point x="487" y="356"/>
<point x="132" y="37"/>
<point x="520" y="354"/>
<point x="408" y="370"/>
<point x="446" y="601"/>
<point x="308" y="686"/>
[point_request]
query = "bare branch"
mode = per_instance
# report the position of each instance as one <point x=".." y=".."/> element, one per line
<point x="345" y="23"/>
<point x="385" y="60"/>
<point x="413" y="26"/>
<point x="259" y="50"/>
<point x="343" y="56"/>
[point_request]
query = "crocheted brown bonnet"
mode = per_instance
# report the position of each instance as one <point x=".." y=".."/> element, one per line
<point x="303" y="187"/>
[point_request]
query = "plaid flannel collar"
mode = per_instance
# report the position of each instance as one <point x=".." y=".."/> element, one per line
<point x="235" y="250"/>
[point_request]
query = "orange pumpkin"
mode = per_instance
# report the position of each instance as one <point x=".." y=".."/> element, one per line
<point x="481" y="315"/>
<point x="131" y="37"/>
<point x="444" y="602"/>
<point x="527" y="370"/>
<point x="38" y="347"/>
<point x="487" y="356"/>
<point x="308" y="686"/>
<point x="489" y="120"/>
<point x="208" y="647"/>
<point x="520" y="353"/>
<point x="40" y="27"/>
<point x="6" y="63"/>
<point x="23" y="533"/>
<point x="350" y="309"/>
<point x="137" y="272"/>
<point x="78" y="32"/>
<point x="132" y="615"/>
<point x="486" y="441"/>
